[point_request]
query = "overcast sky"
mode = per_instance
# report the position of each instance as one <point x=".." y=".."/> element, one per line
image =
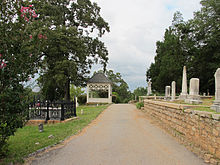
<point x="135" y="26"/>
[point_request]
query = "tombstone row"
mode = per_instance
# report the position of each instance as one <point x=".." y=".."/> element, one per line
<point x="193" y="96"/>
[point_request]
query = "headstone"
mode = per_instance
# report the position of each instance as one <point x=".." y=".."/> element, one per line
<point x="173" y="96"/>
<point x="41" y="127"/>
<point x="204" y="94"/>
<point x="183" y="94"/>
<point x="216" y="104"/>
<point x="194" y="97"/>
<point x="155" y="97"/>
<point x="149" y="91"/>
<point x="167" y="93"/>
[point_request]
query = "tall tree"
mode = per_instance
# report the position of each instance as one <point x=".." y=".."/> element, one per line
<point x="73" y="44"/>
<point x="194" y="43"/>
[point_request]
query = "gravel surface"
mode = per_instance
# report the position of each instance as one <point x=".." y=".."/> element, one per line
<point x="121" y="135"/>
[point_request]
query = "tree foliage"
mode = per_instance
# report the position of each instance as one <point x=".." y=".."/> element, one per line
<point x="194" y="43"/>
<point x="75" y="91"/>
<point x="20" y="55"/>
<point x="73" y="30"/>
<point x="140" y="91"/>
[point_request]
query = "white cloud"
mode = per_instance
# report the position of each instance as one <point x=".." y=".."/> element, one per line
<point x="135" y="27"/>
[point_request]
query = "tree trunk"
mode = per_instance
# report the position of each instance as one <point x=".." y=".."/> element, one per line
<point x="67" y="91"/>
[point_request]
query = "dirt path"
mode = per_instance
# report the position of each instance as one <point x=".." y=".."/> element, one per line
<point x="120" y="136"/>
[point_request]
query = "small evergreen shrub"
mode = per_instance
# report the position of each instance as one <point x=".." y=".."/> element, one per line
<point x="139" y="105"/>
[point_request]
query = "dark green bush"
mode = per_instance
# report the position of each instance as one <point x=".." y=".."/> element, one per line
<point x="82" y="99"/>
<point x="139" y="105"/>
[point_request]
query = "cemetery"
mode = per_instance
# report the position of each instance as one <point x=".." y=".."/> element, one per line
<point x="70" y="95"/>
<point x="194" y="122"/>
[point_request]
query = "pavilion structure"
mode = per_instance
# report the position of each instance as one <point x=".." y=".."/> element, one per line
<point x="99" y="89"/>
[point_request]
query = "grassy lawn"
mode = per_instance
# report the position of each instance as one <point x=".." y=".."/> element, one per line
<point x="28" y="139"/>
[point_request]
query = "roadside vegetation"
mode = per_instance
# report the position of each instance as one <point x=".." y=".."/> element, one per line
<point x="28" y="139"/>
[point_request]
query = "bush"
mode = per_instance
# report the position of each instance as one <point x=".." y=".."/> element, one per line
<point x="115" y="98"/>
<point x="12" y="114"/>
<point x="82" y="99"/>
<point x="139" y="105"/>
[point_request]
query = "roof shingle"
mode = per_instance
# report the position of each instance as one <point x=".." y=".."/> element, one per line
<point x="99" y="78"/>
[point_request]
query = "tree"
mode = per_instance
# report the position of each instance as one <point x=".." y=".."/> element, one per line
<point x="75" y="91"/>
<point x="73" y="44"/>
<point x="194" y="43"/>
<point x="20" y="50"/>
<point x="140" y="91"/>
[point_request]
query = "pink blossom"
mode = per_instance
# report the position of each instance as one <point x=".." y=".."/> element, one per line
<point x="30" y="55"/>
<point x="3" y="65"/>
<point x="0" y="55"/>
<point x="31" y="36"/>
<point x="40" y="36"/>
<point x="30" y="5"/>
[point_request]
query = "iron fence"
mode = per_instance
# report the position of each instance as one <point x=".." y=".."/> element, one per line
<point x="45" y="110"/>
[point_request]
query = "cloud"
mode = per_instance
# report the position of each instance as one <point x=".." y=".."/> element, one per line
<point x="135" y="27"/>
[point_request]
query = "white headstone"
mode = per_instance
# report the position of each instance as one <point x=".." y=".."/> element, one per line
<point x="149" y="91"/>
<point x="216" y="103"/>
<point x="173" y="96"/>
<point x="183" y="94"/>
<point x="194" y="92"/>
<point x="167" y="92"/>
<point x="194" y="86"/>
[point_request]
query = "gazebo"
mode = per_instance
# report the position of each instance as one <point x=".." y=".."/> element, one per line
<point x="99" y="89"/>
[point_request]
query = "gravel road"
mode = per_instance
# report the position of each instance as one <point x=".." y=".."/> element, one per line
<point x="121" y="135"/>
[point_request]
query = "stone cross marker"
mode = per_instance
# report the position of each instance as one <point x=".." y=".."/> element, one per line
<point x="216" y="103"/>
<point x="173" y="96"/>
<point x="184" y="93"/>
<point x="167" y="92"/>
<point x="149" y="92"/>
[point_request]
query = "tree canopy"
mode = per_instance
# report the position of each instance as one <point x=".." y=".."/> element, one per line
<point x="59" y="37"/>
<point x="193" y="43"/>
<point x="73" y="30"/>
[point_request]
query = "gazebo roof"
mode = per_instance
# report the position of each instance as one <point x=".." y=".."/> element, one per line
<point x="99" y="78"/>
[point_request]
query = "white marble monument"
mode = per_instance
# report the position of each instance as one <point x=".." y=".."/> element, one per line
<point x="149" y="91"/>
<point x="183" y="94"/>
<point x="193" y="97"/>
<point x="216" y="103"/>
<point x="173" y="93"/>
<point x="167" y="93"/>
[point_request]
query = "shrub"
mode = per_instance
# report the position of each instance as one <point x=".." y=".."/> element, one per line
<point x="139" y="105"/>
<point x="82" y="99"/>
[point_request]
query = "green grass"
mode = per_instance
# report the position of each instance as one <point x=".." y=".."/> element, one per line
<point x="23" y="142"/>
<point x="207" y="109"/>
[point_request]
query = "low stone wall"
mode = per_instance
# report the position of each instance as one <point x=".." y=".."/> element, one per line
<point x="198" y="130"/>
<point x="37" y="122"/>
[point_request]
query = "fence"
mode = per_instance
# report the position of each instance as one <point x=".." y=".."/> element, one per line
<point x="45" y="110"/>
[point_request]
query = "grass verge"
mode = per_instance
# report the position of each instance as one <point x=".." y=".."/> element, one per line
<point x="28" y="139"/>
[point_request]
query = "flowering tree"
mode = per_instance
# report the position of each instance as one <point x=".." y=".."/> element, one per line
<point x="20" y="47"/>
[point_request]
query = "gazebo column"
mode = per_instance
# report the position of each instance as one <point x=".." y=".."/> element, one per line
<point x="88" y="93"/>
